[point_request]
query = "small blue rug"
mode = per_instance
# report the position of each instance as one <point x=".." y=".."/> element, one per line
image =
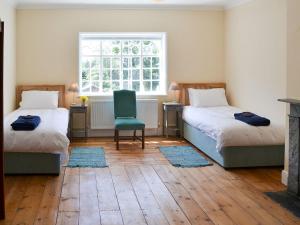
<point x="184" y="156"/>
<point x="87" y="157"/>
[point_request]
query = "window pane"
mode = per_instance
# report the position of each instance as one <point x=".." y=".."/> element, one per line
<point x="95" y="87"/>
<point x="125" y="50"/>
<point x="147" y="62"/>
<point x="135" y="74"/>
<point x="106" y="86"/>
<point x="111" y="47"/>
<point x="115" y="74"/>
<point x="85" y="75"/>
<point x="95" y="74"/>
<point x="85" y="64"/>
<point x="126" y="63"/>
<point x="116" y="63"/>
<point x="135" y="62"/>
<point x="85" y="87"/>
<point x="106" y="75"/>
<point x="156" y="45"/>
<point x="151" y="47"/>
<point x="155" y="86"/>
<point x="125" y="74"/>
<point x="90" y="47"/>
<point x="106" y="62"/>
<point x="155" y="62"/>
<point x="136" y="85"/>
<point x="155" y="74"/>
<point x="135" y="47"/>
<point x="115" y="85"/>
<point x="147" y="48"/>
<point x="146" y="74"/>
<point x="147" y="85"/>
<point x="125" y="85"/>
<point x="95" y="63"/>
<point x="132" y="47"/>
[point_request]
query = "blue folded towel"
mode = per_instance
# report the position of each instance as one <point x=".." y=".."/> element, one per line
<point x="26" y="123"/>
<point x="252" y="119"/>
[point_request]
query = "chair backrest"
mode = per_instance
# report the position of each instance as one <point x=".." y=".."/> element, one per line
<point x="124" y="103"/>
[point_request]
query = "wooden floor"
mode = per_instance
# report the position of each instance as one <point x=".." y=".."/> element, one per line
<point x="140" y="187"/>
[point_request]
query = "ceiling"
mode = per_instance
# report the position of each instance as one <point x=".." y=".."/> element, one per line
<point x="129" y="3"/>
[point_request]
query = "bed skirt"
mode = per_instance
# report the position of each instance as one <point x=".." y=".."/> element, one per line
<point x="21" y="163"/>
<point x="235" y="157"/>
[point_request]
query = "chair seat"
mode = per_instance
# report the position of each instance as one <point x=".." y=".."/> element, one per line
<point x="129" y="124"/>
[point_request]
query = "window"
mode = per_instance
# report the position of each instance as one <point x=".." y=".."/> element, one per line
<point x="132" y="61"/>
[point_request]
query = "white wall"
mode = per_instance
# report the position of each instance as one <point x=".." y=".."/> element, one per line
<point x="8" y="14"/>
<point x="255" y="55"/>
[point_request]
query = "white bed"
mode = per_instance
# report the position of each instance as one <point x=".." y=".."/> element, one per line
<point x="49" y="137"/>
<point x="219" y="124"/>
<point x="209" y="124"/>
<point x="43" y="150"/>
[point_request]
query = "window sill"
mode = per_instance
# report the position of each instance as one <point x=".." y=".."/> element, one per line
<point x="138" y="95"/>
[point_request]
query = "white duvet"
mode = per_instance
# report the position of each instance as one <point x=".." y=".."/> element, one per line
<point x="49" y="137"/>
<point x="219" y="124"/>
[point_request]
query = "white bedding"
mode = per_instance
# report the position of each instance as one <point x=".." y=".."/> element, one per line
<point x="49" y="137"/>
<point x="219" y="124"/>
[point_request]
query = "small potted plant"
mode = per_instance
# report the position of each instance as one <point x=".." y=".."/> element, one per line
<point x="83" y="100"/>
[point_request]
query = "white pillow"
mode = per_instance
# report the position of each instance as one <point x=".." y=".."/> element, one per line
<point x="207" y="97"/>
<point x="39" y="100"/>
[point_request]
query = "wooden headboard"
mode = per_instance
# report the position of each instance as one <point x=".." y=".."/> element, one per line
<point x="59" y="88"/>
<point x="184" y="95"/>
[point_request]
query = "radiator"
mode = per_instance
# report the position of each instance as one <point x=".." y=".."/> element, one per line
<point x="102" y="113"/>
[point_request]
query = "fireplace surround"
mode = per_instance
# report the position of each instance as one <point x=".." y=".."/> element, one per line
<point x="293" y="185"/>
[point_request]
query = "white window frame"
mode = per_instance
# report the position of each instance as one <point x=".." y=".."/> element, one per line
<point x="128" y="35"/>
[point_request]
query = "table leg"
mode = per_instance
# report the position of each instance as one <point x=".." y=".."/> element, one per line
<point x="163" y="122"/>
<point x="85" y="126"/>
<point x="167" y="128"/>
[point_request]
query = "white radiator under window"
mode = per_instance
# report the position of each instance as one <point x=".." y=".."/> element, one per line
<point x="102" y="113"/>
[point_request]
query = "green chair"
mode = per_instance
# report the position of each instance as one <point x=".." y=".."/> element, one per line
<point x="125" y="115"/>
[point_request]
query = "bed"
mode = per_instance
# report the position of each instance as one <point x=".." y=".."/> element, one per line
<point x="230" y="143"/>
<point x="43" y="150"/>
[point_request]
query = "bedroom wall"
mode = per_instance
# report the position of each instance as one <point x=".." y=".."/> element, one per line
<point x="255" y="57"/>
<point x="48" y="41"/>
<point x="7" y="14"/>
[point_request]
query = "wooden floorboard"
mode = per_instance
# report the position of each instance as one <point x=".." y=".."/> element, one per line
<point x="141" y="187"/>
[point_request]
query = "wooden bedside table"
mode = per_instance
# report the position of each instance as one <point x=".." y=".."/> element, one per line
<point x="178" y="109"/>
<point x="78" y="109"/>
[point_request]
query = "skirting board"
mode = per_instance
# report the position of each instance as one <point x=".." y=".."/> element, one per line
<point x="284" y="177"/>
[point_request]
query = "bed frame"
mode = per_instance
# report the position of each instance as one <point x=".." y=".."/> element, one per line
<point x="228" y="157"/>
<point x="34" y="163"/>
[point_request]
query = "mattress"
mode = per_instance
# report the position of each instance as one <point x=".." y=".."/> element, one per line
<point x="49" y="137"/>
<point x="219" y="124"/>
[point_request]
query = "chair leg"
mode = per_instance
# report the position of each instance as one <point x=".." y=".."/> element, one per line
<point x="117" y="138"/>
<point x="143" y="139"/>
<point x="134" y="135"/>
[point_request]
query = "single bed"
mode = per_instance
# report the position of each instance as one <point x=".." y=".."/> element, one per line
<point x="229" y="142"/>
<point x="43" y="150"/>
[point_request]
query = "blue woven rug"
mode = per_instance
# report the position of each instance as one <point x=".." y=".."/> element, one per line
<point x="184" y="156"/>
<point x="87" y="157"/>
